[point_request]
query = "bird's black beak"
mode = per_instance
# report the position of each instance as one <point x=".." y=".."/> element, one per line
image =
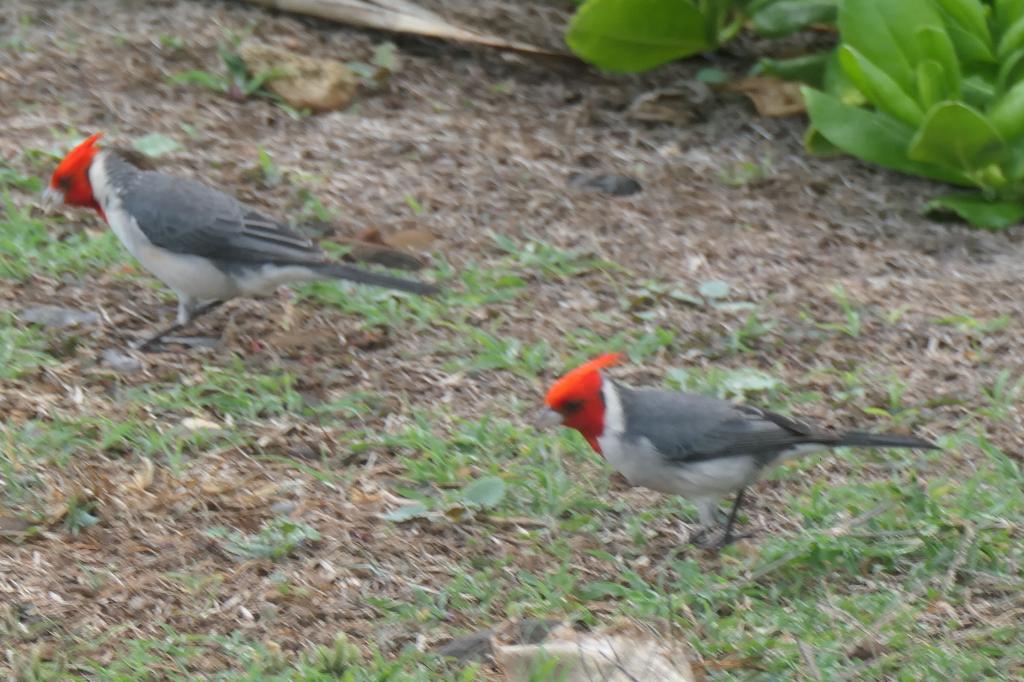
<point x="50" y="200"/>
<point x="546" y="418"/>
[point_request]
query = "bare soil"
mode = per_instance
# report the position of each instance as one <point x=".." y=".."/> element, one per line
<point x="486" y="143"/>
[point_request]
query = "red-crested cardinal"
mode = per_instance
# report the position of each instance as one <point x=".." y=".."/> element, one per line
<point x="202" y="243"/>
<point x="697" y="446"/>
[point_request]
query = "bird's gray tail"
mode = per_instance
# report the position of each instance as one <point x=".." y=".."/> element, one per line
<point x="353" y="274"/>
<point x="884" y="440"/>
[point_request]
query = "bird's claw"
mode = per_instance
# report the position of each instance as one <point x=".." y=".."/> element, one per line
<point x="715" y="538"/>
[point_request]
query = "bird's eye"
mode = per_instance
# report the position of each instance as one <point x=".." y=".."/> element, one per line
<point x="64" y="183"/>
<point x="570" y="406"/>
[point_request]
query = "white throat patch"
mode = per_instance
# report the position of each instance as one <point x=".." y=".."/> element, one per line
<point x="614" y="418"/>
<point x="106" y="196"/>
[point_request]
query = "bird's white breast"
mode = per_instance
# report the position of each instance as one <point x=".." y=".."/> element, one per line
<point x="189" y="276"/>
<point x="640" y="462"/>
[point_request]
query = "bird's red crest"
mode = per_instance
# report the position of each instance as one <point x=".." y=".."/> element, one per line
<point x="583" y="379"/>
<point x="71" y="177"/>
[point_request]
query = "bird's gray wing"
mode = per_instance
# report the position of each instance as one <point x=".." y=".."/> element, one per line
<point x="686" y="427"/>
<point x="187" y="217"/>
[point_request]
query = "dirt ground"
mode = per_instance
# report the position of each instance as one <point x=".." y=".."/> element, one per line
<point x="486" y="143"/>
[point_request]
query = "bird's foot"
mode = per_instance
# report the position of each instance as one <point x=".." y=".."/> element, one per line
<point x="158" y="342"/>
<point x="715" y="538"/>
<point x="163" y="334"/>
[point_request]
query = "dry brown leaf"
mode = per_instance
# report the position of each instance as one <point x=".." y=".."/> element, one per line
<point x="402" y="17"/>
<point x="668" y="105"/>
<point x="360" y="496"/>
<point x="771" y="96"/>
<point x="416" y="238"/>
<point x="144" y="477"/>
<point x="200" y="424"/>
<point x="305" y="82"/>
<point x="371" y="235"/>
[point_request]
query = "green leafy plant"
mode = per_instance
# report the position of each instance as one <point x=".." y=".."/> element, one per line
<point x="636" y="35"/>
<point x="277" y="539"/>
<point x="933" y="88"/>
<point x="237" y="81"/>
<point x="776" y="18"/>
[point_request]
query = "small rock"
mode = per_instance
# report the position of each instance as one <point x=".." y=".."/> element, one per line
<point x="283" y="507"/>
<point x="478" y="646"/>
<point x="611" y="655"/>
<point x="56" y="317"/>
<point x="608" y="183"/>
<point x="302" y="81"/>
<point x="121" y="362"/>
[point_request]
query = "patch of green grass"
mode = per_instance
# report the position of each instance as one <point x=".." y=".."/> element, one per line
<point x="546" y="260"/>
<point x="479" y="351"/>
<point x="750" y="335"/>
<point x="236" y="81"/>
<point x="176" y="656"/>
<point x="21" y="350"/>
<point x="466" y="289"/>
<point x="231" y="390"/>
<point x="851" y="324"/>
<point x="871" y="555"/>
<point x="638" y="343"/>
<point x="276" y="540"/>
<point x="12" y="177"/>
<point x="27" y="247"/>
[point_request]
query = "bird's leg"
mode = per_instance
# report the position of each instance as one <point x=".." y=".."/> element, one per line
<point x="187" y="314"/>
<point x="728" y="537"/>
<point x="706" y="510"/>
<point x="186" y="309"/>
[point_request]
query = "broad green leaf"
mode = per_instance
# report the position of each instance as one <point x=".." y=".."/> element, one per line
<point x="970" y="16"/>
<point x="484" y="492"/>
<point x="936" y="45"/>
<point x="809" y="68"/>
<point x="956" y="136"/>
<point x="156" y="145"/>
<point x="1007" y="13"/>
<point x="635" y="35"/>
<point x="1014" y="164"/>
<point x="979" y="211"/>
<point x="1007" y="115"/>
<point x="1011" y="71"/>
<point x="969" y="47"/>
<point x="862" y="25"/>
<point x="417" y="510"/>
<point x="878" y="87"/>
<point x="817" y="144"/>
<point x="788" y="16"/>
<point x="978" y="92"/>
<point x="839" y="84"/>
<point x="871" y="136"/>
<point x="883" y="31"/>
<point x="1012" y="40"/>
<point x="714" y="288"/>
<point x="930" y="83"/>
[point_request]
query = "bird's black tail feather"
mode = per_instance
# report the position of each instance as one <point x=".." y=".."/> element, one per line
<point x="353" y="274"/>
<point x="884" y="440"/>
